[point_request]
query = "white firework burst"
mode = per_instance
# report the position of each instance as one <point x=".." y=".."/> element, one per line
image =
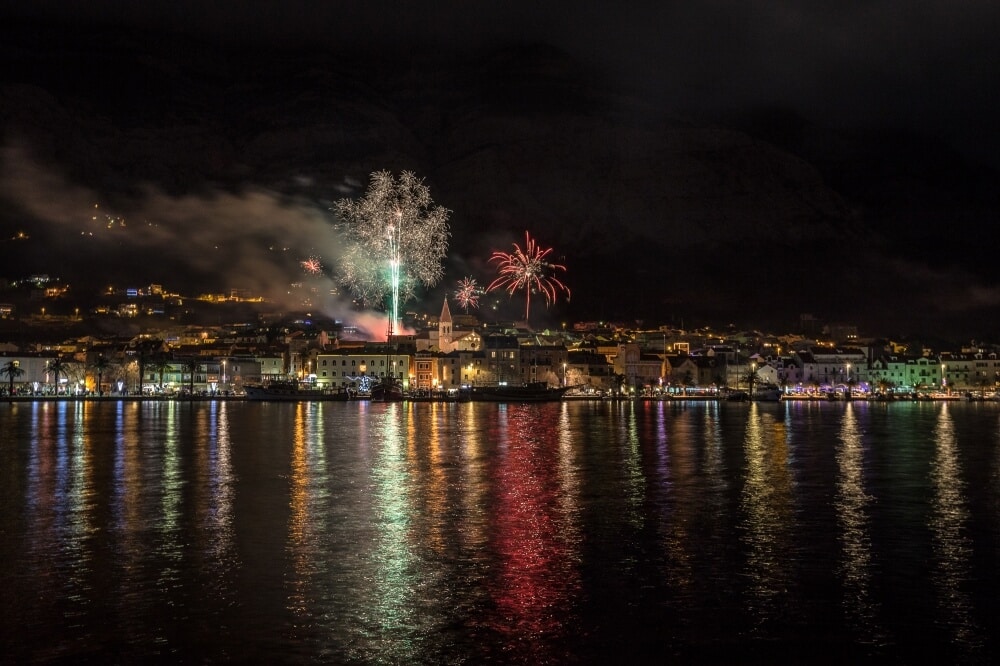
<point x="396" y="239"/>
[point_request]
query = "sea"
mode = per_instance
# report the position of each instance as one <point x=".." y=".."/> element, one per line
<point x="575" y="532"/>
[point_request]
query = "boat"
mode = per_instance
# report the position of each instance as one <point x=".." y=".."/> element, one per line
<point x="531" y="392"/>
<point x="291" y="390"/>
<point x="767" y="393"/>
<point x="388" y="390"/>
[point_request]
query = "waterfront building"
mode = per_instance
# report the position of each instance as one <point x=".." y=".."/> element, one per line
<point x="682" y="371"/>
<point x="639" y="369"/>
<point x="827" y="368"/>
<point x="354" y="368"/>
<point x="546" y="363"/>
<point x="589" y="370"/>
<point x="906" y="374"/>
<point x="977" y="371"/>
<point x="503" y="358"/>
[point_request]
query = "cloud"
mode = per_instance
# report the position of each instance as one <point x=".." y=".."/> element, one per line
<point x="948" y="290"/>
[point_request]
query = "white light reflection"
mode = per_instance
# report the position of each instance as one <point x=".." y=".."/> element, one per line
<point x="169" y="531"/>
<point x="219" y="515"/>
<point x="217" y="508"/>
<point x="852" y="504"/>
<point x="675" y="495"/>
<point x="952" y="548"/>
<point x="633" y="481"/>
<point x="767" y="523"/>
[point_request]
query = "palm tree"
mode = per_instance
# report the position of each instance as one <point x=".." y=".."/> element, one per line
<point x="12" y="370"/>
<point x="100" y="364"/>
<point x="57" y="367"/>
<point x="146" y="348"/>
<point x="159" y="365"/>
<point x="191" y="366"/>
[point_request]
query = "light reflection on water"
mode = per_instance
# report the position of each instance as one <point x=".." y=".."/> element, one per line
<point x="952" y="547"/>
<point x="467" y="533"/>
<point x="768" y="522"/>
<point x="852" y="504"/>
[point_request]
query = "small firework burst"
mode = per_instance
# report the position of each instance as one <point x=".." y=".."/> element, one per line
<point x="312" y="265"/>
<point x="468" y="293"/>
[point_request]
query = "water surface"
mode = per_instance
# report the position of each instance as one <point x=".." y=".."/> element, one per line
<point x="577" y="532"/>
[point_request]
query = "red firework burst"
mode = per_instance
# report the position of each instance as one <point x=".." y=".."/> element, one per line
<point x="527" y="268"/>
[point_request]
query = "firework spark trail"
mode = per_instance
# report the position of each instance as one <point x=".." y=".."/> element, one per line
<point x="468" y="293"/>
<point x="395" y="223"/>
<point x="526" y="268"/>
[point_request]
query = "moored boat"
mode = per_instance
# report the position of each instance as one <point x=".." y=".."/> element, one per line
<point x="767" y="394"/>
<point x="292" y="390"/>
<point x="532" y="392"/>
<point x="387" y="390"/>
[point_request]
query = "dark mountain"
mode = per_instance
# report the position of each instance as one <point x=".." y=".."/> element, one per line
<point x="749" y="217"/>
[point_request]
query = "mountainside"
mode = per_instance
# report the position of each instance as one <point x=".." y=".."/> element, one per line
<point x="656" y="216"/>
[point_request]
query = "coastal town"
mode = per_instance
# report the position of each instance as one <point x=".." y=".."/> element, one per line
<point x="48" y="349"/>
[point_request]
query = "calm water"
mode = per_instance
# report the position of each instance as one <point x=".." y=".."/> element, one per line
<point x="430" y="533"/>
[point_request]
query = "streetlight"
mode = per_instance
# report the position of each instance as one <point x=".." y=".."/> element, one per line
<point x="223" y="374"/>
<point x="564" y="374"/>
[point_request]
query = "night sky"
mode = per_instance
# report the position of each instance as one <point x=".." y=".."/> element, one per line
<point x="690" y="163"/>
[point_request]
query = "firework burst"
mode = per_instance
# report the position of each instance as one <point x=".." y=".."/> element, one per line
<point x="528" y="269"/>
<point x="312" y="265"/>
<point x="395" y="240"/>
<point x="468" y="293"/>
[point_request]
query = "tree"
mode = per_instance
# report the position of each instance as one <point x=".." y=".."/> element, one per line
<point x="191" y="366"/>
<point x="57" y="367"/>
<point x="395" y="239"/>
<point x="145" y="350"/>
<point x="101" y="365"/>
<point x="12" y="370"/>
<point x="160" y="364"/>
